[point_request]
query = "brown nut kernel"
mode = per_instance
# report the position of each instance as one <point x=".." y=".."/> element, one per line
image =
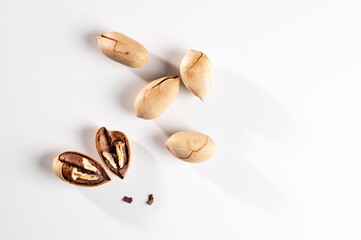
<point x="79" y="169"/>
<point x="122" y="49"/>
<point x="113" y="148"/>
<point x="156" y="97"/>
<point x="191" y="146"/>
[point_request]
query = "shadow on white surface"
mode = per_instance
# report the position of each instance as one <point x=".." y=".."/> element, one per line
<point x="160" y="139"/>
<point x="45" y="162"/>
<point x="245" y="109"/>
<point x="156" y="68"/>
<point x="244" y="180"/>
<point x="248" y="107"/>
<point x="92" y="40"/>
<point x="128" y="94"/>
<point x="88" y="137"/>
<point x="141" y="180"/>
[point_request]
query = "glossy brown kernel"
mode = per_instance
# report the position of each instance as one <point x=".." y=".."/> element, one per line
<point x="113" y="148"/>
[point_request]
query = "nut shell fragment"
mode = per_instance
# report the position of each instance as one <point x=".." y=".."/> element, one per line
<point x="79" y="169"/>
<point x="122" y="49"/>
<point x="191" y="146"/>
<point x="197" y="73"/>
<point x="150" y="199"/>
<point x="128" y="199"/>
<point x="156" y="97"/>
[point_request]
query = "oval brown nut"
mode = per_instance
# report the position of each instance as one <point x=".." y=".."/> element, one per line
<point x="113" y="148"/>
<point x="122" y="49"/>
<point x="155" y="98"/>
<point x="197" y="73"/>
<point x="79" y="169"/>
<point x="191" y="146"/>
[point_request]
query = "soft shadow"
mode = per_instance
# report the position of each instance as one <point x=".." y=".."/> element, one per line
<point x="237" y="176"/>
<point x="91" y="39"/>
<point x="45" y="162"/>
<point x="129" y="92"/>
<point x="156" y="67"/>
<point x="234" y="110"/>
<point x="142" y="179"/>
<point x="247" y="109"/>
<point x="176" y="56"/>
<point x="161" y="139"/>
<point x="88" y="137"/>
<point x="248" y="106"/>
<point x="236" y="104"/>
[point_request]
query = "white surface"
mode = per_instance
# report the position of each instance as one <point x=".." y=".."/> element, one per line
<point x="284" y="111"/>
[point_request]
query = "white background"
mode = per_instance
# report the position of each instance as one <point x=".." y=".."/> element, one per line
<point x="284" y="111"/>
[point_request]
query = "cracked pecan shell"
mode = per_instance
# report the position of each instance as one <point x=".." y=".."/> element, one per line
<point x="197" y="73"/>
<point x="156" y="97"/>
<point x="79" y="169"/>
<point x="114" y="150"/>
<point x="122" y="49"/>
<point x="191" y="146"/>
